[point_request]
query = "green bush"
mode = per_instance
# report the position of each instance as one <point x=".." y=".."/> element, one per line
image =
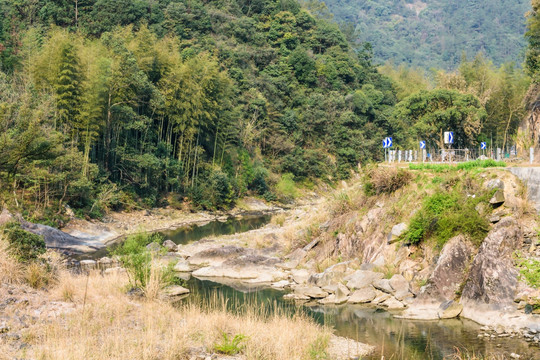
<point x="480" y="164"/>
<point x="23" y="244"/>
<point x="447" y="214"/>
<point x="230" y="346"/>
<point x="469" y="165"/>
<point x="136" y="258"/>
<point x="286" y="188"/>
<point x="529" y="270"/>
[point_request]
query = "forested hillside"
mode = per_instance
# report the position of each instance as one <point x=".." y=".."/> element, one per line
<point x="435" y="33"/>
<point x="114" y="103"/>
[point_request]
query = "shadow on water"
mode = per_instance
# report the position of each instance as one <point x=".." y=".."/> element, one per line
<point x="190" y="233"/>
<point x="394" y="338"/>
<point x="187" y="234"/>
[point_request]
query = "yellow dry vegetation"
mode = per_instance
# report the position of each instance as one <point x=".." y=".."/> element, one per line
<point x="106" y="323"/>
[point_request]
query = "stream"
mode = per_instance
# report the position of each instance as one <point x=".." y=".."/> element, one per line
<point x="394" y="338"/>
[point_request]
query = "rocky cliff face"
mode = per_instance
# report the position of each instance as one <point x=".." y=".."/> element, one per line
<point x="450" y="271"/>
<point x="493" y="278"/>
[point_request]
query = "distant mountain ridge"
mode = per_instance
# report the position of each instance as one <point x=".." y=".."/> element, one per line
<point x="435" y="33"/>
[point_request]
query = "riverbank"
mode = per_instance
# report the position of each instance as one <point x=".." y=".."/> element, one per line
<point x="119" y="224"/>
<point x="92" y="317"/>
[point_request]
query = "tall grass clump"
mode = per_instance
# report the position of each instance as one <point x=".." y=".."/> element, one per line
<point x="469" y="165"/>
<point x="11" y="270"/>
<point x="385" y="180"/>
<point x="480" y="164"/>
<point x="144" y="272"/>
<point x="447" y="214"/>
<point x="286" y="188"/>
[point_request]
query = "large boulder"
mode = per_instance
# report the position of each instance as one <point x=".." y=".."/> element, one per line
<point x="362" y="296"/>
<point x="334" y="274"/>
<point x="450" y="271"/>
<point x="400" y="286"/>
<point x="449" y="310"/>
<point x="493" y="279"/>
<point x="362" y="278"/>
<point x="170" y="245"/>
<point x="396" y="232"/>
<point x="215" y="256"/>
<point x="392" y="304"/>
<point x="60" y="240"/>
<point x="313" y="292"/>
<point x="497" y="198"/>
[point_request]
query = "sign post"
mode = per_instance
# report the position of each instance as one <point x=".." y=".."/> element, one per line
<point x="449" y="139"/>
<point x="423" y="149"/>
<point x="387" y="144"/>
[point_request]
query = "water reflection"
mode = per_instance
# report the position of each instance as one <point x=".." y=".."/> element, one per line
<point x="187" y="234"/>
<point x="394" y="338"/>
<point x="190" y="233"/>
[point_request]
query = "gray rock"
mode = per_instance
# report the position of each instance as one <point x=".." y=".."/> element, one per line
<point x="295" y="296"/>
<point x="362" y="296"/>
<point x="450" y="271"/>
<point x="332" y="275"/>
<point x="498" y="198"/>
<point x="401" y="286"/>
<point x="338" y="298"/>
<point x="495" y="184"/>
<point x="153" y="246"/>
<point x="105" y="263"/>
<point x="334" y="288"/>
<point x="380" y="297"/>
<point x="183" y="266"/>
<point x="57" y="239"/>
<point x="449" y="310"/>
<point x="493" y="278"/>
<point x="170" y="245"/>
<point x="176" y="291"/>
<point x="494" y="219"/>
<point x="88" y="264"/>
<point x="362" y="278"/>
<point x="314" y="292"/>
<point x="300" y="276"/>
<point x="392" y="304"/>
<point x="384" y="285"/>
<point x="396" y="232"/>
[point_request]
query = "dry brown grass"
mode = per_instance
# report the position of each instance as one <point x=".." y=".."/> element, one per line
<point x="11" y="271"/>
<point x="112" y="325"/>
<point x="386" y="179"/>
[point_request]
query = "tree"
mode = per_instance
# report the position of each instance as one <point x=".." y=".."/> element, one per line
<point x="68" y="91"/>
<point x="429" y="113"/>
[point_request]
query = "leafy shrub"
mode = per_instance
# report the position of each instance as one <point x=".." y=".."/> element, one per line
<point x="259" y="183"/>
<point x="24" y="245"/>
<point x="230" y="346"/>
<point x="529" y="270"/>
<point x="480" y="164"/>
<point x="469" y="165"/>
<point x="385" y="180"/>
<point x="286" y="188"/>
<point x="446" y="214"/>
<point x="136" y="258"/>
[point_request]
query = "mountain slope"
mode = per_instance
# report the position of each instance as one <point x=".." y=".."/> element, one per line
<point x="434" y="33"/>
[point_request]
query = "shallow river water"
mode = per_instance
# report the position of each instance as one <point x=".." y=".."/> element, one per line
<point x="394" y="338"/>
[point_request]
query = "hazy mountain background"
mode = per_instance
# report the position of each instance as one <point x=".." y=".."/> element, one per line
<point x="434" y="33"/>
